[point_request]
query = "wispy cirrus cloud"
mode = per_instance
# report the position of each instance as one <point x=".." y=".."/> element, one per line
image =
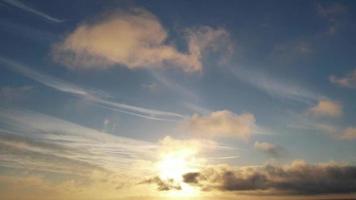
<point x="275" y="87"/>
<point x="90" y="95"/>
<point x="135" y="39"/>
<point x="40" y="147"/>
<point x="27" y="8"/>
<point x="41" y="142"/>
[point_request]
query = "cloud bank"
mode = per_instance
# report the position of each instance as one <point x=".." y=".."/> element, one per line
<point x="134" y="39"/>
<point x="298" y="178"/>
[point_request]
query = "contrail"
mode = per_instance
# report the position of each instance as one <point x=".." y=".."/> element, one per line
<point x="92" y="96"/>
<point x="27" y="8"/>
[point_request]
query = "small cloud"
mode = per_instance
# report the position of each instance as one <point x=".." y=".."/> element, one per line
<point x="134" y="39"/>
<point x="270" y="149"/>
<point x="222" y="123"/>
<point x="326" y="108"/>
<point x="191" y="177"/>
<point x="349" y="80"/>
<point x="163" y="185"/>
<point x="348" y="133"/>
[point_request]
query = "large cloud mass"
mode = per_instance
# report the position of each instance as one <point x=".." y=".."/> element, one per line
<point x="134" y="39"/>
<point x="296" y="178"/>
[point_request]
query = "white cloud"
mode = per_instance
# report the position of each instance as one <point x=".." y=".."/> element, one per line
<point x="347" y="81"/>
<point x="222" y="123"/>
<point x="136" y="40"/>
<point x="326" y="108"/>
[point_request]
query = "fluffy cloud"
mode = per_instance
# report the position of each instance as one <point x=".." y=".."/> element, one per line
<point x="326" y="108"/>
<point x="296" y="178"/>
<point x="222" y="123"/>
<point x="270" y="149"/>
<point x="134" y="39"/>
<point x="347" y="81"/>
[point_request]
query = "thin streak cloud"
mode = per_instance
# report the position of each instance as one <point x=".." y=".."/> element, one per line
<point x="45" y="143"/>
<point x="22" y="6"/>
<point x="274" y="87"/>
<point x="92" y="96"/>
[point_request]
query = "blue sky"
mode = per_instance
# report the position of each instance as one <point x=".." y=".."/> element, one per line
<point x="272" y="81"/>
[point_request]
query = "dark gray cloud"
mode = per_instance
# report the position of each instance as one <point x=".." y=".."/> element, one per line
<point x="163" y="185"/>
<point x="191" y="177"/>
<point x="296" y="178"/>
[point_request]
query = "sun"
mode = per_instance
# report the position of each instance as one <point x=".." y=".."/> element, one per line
<point x="173" y="165"/>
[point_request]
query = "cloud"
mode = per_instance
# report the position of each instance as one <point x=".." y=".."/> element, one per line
<point x="163" y="185"/>
<point x="275" y="87"/>
<point x="31" y="140"/>
<point x="96" y="97"/>
<point x="296" y="178"/>
<point x="22" y="6"/>
<point x="222" y="123"/>
<point x="348" y="80"/>
<point x="349" y="133"/>
<point x="270" y="149"/>
<point x="326" y="108"/>
<point x="134" y="39"/>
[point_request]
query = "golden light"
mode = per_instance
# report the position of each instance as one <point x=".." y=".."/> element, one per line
<point x="173" y="165"/>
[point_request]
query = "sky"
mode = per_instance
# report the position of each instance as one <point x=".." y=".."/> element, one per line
<point x="131" y="100"/>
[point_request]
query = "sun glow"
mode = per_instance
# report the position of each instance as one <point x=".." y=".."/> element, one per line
<point x="174" y="165"/>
